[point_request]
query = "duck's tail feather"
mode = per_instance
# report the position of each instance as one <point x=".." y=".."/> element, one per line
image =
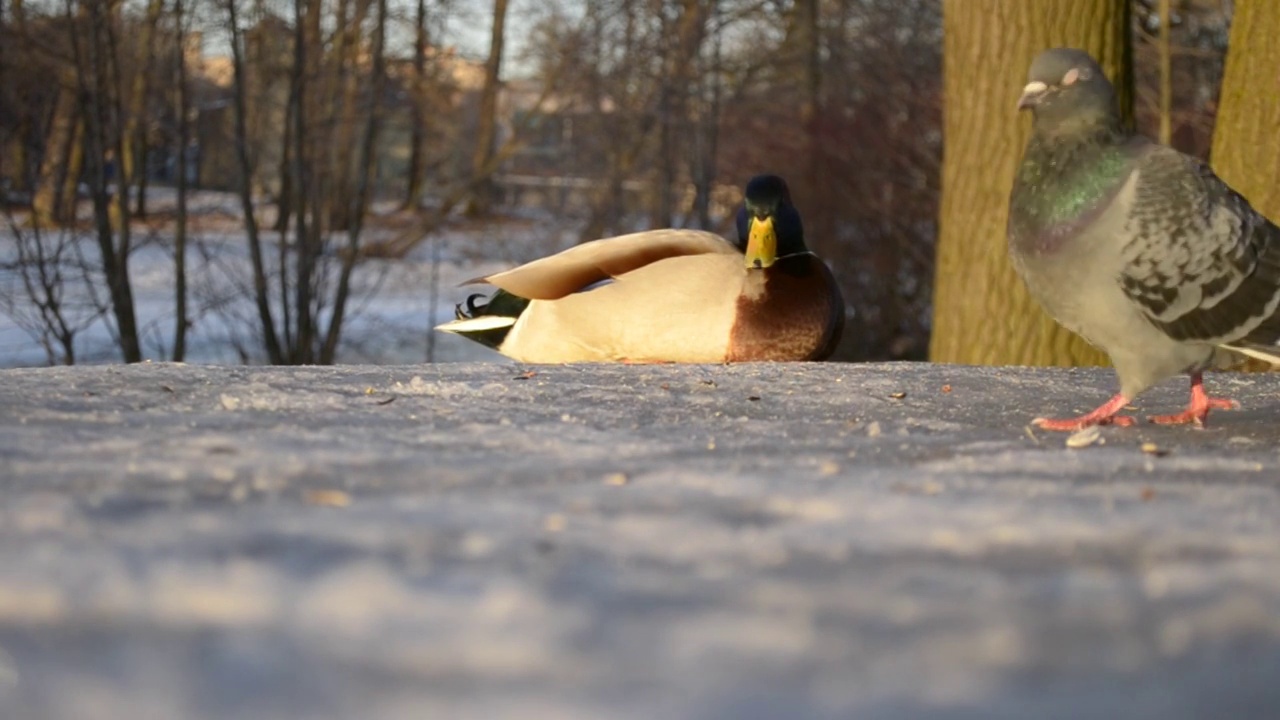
<point x="483" y="323"/>
<point x="486" y="323"/>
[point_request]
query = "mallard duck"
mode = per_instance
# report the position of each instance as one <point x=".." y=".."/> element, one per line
<point x="669" y="296"/>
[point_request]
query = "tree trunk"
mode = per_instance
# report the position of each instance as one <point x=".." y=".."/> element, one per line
<point x="707" y="133"/>
<point x="359" y="204"/>
<point x="119" y="140"/>
<point x="97" y="104"/>
<point x="982" y="312"/>
<point x="60" y="138"/>
<point x="140" y="203"/>
<point x="70" y="170"/>
<point x="807" y="45"/>
<point x="487" y="124"/>
<point x="181" y="322"/>
<point x="260" y="288"/>
<point x="134" y="154"/>
<point x="284" y="199"/>
<point x="1246" y="146"/>
<point x="1165" y="43"/>
<point x="306" y="114"/>
<point x="417" y="110"/>
<point x="4" y="81"/>
<point x="348" y="72"/>
<point x="681" y="43"/>
<point x="664" y="162"/>
<point x="24" y="135"/>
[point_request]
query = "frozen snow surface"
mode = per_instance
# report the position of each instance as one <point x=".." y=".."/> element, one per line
<point x="502" y="541"/>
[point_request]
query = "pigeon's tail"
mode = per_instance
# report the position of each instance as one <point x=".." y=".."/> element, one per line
<point x="486" y="323"/>
<point x="1269" y="355"/>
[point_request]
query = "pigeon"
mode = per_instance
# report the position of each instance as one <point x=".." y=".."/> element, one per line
<point x="1138" y="248"/>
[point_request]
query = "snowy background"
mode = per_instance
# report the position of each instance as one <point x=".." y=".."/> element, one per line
<point x="389" y="317"/>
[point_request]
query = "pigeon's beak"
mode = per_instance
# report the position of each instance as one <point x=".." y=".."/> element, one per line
<point x="1031" y="94"/>
<point x="762" y="243"/>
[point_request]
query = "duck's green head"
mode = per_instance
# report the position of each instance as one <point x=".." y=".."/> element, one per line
<point x="769" y="225"/>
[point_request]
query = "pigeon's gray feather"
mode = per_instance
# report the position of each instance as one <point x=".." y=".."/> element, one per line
<point x="1201" y="263"/>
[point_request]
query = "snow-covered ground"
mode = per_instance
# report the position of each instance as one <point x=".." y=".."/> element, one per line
<point x="703" y="542"/>
<point x="389" y="317"/>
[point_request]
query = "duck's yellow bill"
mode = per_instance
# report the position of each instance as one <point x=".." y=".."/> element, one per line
<point x="762" y="243"/>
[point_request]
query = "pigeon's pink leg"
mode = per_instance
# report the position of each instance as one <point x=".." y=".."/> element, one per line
<point x="1104" y="415"/>
<point x="1199" y="407"/>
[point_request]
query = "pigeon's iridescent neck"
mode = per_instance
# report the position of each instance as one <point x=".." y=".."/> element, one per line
<point x="1064" y="182"/>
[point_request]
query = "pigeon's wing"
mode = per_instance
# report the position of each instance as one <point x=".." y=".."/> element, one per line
<point x="1199" y="261"/>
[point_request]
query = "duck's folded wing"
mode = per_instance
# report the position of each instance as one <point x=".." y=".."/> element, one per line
<point x="567" y="272"/>
<point x="679" y="309"/>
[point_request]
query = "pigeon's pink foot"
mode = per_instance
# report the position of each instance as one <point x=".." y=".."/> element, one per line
<point x="1106" y="414"/>
<point x="1198" y="408"/>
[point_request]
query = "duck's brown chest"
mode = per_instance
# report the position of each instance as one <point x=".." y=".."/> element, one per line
<point x="792" y="311"/>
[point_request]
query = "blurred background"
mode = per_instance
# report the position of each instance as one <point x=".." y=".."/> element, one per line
<point x="263" y="181"/>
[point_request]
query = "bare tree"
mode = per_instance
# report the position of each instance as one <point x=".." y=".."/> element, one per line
<point x="679" y="46"/>
<point x="261" y="290"/>
<point x="342" y="86"/>
<point x="182" y="111"/>
<point x="458" y="192"/>
<point x="306" y="113"/>
<point x="487" y="122"/>
<point x="4" y="85"/>
<point x="336" y="92"/>
<point x="360" y="198"/>
<point x="134" y="146"/>
<point x="418" y="114"/>
<point x="57" y="168"/>
<point x="93" y="45"/>
<point x="43" y="289"/>
<point x="705" y="118"/>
